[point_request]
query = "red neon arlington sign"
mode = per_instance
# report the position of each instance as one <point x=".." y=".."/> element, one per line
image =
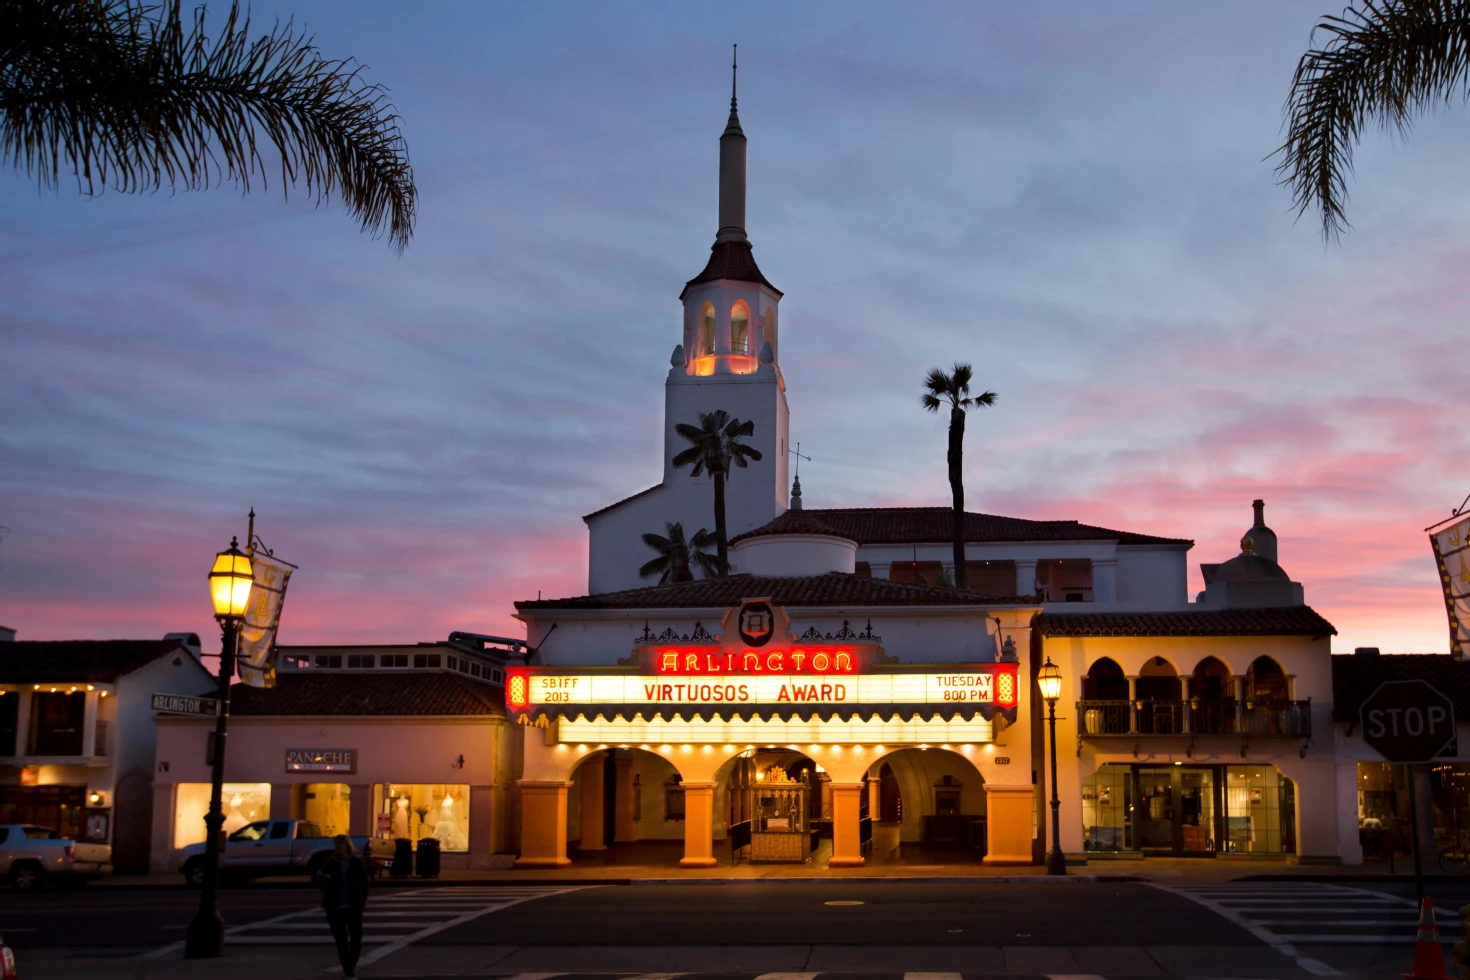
<point x="702" y="661"/>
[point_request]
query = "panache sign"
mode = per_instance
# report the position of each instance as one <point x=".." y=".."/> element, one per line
<point x="321" y="760"/>
<point x="963" y="684"/>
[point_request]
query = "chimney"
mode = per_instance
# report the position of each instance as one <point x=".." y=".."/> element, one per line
<point x="1260" y="506"/>
<point x="1365" y="651"/>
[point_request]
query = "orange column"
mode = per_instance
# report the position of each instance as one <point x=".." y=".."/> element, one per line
<point x="592" y="826"/>
<point x="847" y="848"/>
<point x="623" y="829"/>
<point x="543" y="823"/>
<point x="1008" y="824"/>
<point x="699" y="825"/>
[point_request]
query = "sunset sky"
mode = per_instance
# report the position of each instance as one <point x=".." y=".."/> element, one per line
<point x="1075" y="197"/>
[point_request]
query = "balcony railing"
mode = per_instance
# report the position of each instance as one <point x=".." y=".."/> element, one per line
<point x="1257" y="719"/>
<point x="99" y="740"/>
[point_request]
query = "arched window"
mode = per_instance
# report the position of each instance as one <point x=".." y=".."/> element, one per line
<point x="1161" y="698"/>
<point x="1106" y="689"/>
<point x="1212" y="698"/>
<point x="706" y="330"/>
<point x="1265" y="681"/>
<point x="1105" y="682"/>
<point x="768" y="329"/>
<point x="740" y="329"/>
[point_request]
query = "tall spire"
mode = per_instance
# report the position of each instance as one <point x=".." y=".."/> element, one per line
<point x="732" y="128"/>
<point x="732" y="168"/>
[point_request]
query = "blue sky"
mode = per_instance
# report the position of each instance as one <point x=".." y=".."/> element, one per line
<point x="1075" y="197"/>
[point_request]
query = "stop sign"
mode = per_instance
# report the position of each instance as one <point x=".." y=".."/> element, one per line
<point x="1408" y="721"/>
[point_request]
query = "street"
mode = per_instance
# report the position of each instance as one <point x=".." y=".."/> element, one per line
<point x="1247" y="930"/>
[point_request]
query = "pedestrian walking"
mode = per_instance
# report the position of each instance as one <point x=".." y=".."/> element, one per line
<point x="344" y="882"/>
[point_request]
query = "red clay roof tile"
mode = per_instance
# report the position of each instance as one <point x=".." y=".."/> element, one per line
<point x="1281" y="621"/>
<point x="831" y="589"/>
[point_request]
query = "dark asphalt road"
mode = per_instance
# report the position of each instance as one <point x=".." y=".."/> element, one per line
<point x="966" y="914"/>
<point x="135" y="917"/>
<point x="891" y="914"/>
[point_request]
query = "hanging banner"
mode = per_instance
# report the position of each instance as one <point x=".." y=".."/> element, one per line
<point x="257" y="658"/>
<point x="1452" y="554"/>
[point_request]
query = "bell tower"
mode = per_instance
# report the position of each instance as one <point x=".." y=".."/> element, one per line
<point x="727" y="357"/>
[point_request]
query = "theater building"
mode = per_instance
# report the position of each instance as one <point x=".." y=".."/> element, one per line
<point x="835" y="700"/>
<point x="793" y="712"/>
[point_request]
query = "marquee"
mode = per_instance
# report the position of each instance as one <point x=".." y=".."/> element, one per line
<point x="969" y="686"/>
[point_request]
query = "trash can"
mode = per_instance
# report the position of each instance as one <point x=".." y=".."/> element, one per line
<point x="428" y="858"/>
<point x="402" y="866"/>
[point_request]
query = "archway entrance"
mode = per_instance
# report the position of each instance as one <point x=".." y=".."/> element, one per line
<point x="780" y="807"/>
<point x="930" y="806"/>
<point x="626" y="806"/>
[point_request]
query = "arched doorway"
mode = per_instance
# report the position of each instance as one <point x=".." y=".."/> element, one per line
<point x="1161" y="698"/>
<point x="626" y="806"/>
<point x="780" y="805"/>
<point x="1105" y="692"/>
<point x="930" y="807"/>
<point x="1212" y="698"/>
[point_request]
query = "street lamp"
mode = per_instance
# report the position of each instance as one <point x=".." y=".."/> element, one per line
<point x="229" y="586"/>
<point x="1049" y="679"/>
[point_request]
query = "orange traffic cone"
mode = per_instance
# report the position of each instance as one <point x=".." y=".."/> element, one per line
<point x="1428" y="953"/>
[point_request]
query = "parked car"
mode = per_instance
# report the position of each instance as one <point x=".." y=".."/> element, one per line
<point x="31" y="857"/>
<point x="269" y="847"/>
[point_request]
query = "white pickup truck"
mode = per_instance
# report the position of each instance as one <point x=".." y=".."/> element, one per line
<point x="268" y="847"/>
<point x="32" y="857"/>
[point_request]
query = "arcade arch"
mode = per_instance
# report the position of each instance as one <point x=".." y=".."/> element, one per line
<point x="926" y="796"/>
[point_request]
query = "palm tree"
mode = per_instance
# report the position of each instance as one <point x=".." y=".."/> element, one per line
<point x="953" y="389"/>
<point x="125" y="95"/>
<point x="1392" y="60"/>
<point x="678" y="557"/>
<point x="714" y="445"/>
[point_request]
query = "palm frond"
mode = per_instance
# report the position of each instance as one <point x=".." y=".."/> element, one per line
<point x="961" y="377"/>
<point x="121" y="95"/>
<point x="931" y="403"/>
<point x="937" y="382"/>
<point x="1391" y="60"/>
<point x="654" y="566"/>
<point x="987" y="399"/>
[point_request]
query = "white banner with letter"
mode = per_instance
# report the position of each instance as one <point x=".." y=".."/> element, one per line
<point x="1452" y="553"/>
<point x="257" y="652"/>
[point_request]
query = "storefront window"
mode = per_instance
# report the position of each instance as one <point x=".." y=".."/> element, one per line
<point x="329" y="806"/>
<point x="243" y="803"/>
<point x="1260" y="810"/>
<point x="1106" y="802"/>
<point x="1189" y="809"/>
<point x="418" y="810"/>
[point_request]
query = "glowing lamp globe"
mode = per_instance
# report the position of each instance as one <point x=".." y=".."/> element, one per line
<point x="1049" y="679"/>
<point x="229" y="582"/>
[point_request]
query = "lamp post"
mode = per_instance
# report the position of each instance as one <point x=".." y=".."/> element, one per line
<point x="1049" y="679"/>
<point x="229" y="585"/>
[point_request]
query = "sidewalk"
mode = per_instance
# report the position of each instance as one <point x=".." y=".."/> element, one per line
<point x="1166" y="870"/>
